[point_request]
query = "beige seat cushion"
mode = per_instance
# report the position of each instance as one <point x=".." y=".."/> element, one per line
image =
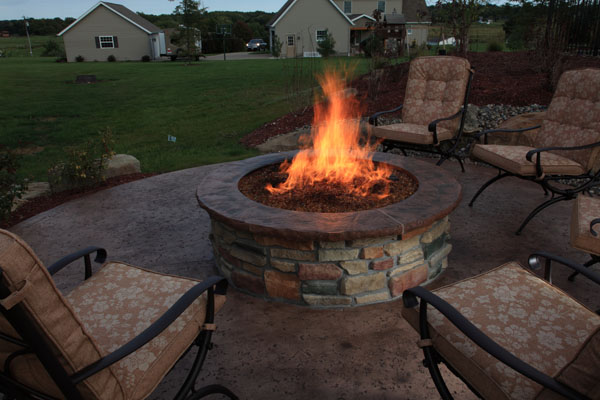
<point x="119" y="302"/>
<point x="512" y="159"/>
<point x="585" y="209"/>
<point x="532" y="319"/>
<point x="410" y="133"/>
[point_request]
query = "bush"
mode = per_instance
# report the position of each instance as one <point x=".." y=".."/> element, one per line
<point x="111" y="58"/>
<point x="276" y="50"/>
<point x="52" y="49"/>
<point x="495" y="46"/>
<point x="372" y="46"/>
<point x="326" y="47"/>
<point x="79" y="58"/>
<point x="146" y="58"/>
<point x="11" y="187"/>
<point x="83" y="166"/>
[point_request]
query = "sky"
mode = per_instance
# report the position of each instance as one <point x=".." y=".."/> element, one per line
<point x="15" y="9"/>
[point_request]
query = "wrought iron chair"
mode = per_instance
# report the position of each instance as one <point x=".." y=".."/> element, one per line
<point x="434" y="108"/>
<point x="584" y="235"/>
<point x="566" y="146"/>
<point x="115" y="336"/>
<point x="509" y="334"/>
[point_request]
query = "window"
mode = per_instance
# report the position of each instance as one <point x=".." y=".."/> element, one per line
<point x="321" y="35"/>
<point x="290" y="40"/>
<point x="348" y="7"/>
<point x="409" y="31"/>
<point x="381" y="6"/>
<point x="107" y="42"/>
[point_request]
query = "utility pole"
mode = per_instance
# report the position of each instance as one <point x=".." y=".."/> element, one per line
<point x="28" y="39"/>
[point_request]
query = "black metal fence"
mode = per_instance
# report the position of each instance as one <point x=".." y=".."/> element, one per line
<point x="574" y="26"/>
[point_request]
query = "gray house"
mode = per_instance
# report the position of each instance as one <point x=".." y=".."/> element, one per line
<point x="112" y="29"/>
<point x="301" y="24"/>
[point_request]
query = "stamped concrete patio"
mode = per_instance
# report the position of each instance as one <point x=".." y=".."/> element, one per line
<point x="277" y="351"/>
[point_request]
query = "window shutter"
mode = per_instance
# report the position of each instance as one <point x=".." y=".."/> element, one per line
<point x="97" y="42"/>
<point x="115" y="41"/>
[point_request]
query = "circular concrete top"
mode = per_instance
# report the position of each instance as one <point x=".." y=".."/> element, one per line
<point x="437" y="196"/>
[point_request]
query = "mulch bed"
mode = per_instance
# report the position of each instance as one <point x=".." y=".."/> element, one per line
<point x="325" y="197"/>
<point x="43" y="203"/>
<point x="514" y="78"/>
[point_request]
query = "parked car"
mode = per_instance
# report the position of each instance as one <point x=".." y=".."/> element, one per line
<point x="256" y="45"/>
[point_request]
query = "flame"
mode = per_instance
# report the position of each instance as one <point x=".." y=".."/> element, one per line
<point x="336" y="155"/>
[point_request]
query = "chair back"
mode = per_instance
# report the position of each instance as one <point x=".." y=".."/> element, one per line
<point x="436" y="88"/>
<point x="573" y="117"/>
<point x="33" y="310"/>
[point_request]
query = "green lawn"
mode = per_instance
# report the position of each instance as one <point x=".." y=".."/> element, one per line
<point x="207" y="106"/>
<point x="19" y="47"/>
<point x="480" y="35"/>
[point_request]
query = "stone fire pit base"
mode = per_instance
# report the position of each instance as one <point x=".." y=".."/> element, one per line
<point x="317" y="273"/>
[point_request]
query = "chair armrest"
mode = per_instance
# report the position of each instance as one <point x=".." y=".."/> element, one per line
<point x="373" y="118"/>
<point x="85" y="253"/>
<point x="594" y="222"/>
<point x="432" y="127"/>
<point x="535" y="264"/>
<point x="159" y="325"/>
<point x="409" y="298"/>
<point x="486" y="132"/>
<point x="538" y="162"/>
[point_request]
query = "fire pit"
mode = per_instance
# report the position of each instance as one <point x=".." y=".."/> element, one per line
<point x="333" y="225"/>
<point x="329" y="259"/>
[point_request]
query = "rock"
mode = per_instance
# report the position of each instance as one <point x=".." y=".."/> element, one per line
<point x="518" y="122"/>
<point x="34" y="189"/>
<point x="471" y="121"/>
<point x="122" y="164"/>
<point x="285" y="142"/>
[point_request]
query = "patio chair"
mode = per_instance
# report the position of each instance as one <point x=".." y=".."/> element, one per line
<point x="566" y="146"/>
<point x="509" y="334"/>
<point x="434" y="108"/>
<point x="585" y="222"/>
<point x="113" y="337"/>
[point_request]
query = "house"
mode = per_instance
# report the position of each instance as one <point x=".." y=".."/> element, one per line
<point x="112" y="29"/>
<point x="301" y="24"/>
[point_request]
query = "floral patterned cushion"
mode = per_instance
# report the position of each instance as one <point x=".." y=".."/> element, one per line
<point x="512" y="159"/>
<point x="119" y="302"/>
<point x="435" y="89"/>
<point x="410" y="133"/>
<point x="25" y="274"/>
<point x="532" y="319"/>
<point x="585" y="209"/>
<point x="573" y="117"/>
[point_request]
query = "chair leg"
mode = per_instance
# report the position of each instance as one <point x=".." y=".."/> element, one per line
<point x="594" y="260"/>
<point x="432" y="364"/>
<point x="538" y="209"/>
<point x="212" y="389"/>
<point x="488" y="183"/>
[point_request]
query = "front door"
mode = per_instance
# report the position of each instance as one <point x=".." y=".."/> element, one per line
<point x="291" y="46"/>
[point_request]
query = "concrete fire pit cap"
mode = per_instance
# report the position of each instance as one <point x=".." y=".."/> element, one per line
<point x="437" y="196"/>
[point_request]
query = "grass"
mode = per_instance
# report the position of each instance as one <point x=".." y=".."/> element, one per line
<point x="480" y="35"/>
<point x="208" y="106"/>
<point x="17" y="46"/>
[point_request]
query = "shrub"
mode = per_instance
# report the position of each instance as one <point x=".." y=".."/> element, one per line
<point x="495" y="46"/>
<point x="326" y="47"/>
<point x="52" y="49"/>
<point x="146" y="58"/>
<point x="11" y="187"/>
<point x="79" y="58"/>
<point x="276" y="50"/>
<point x="111" y="58"/>
<point x="372" y="46"/>
<point x="83" y="166"/>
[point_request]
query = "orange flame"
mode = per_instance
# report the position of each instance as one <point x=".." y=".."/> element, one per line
<point x="337" y="155"/>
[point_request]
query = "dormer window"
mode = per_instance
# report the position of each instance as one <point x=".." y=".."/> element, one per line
<point x="381" y="6"/>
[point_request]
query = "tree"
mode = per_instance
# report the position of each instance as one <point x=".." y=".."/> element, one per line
<point x="242" y="30"/>
<point x="459" y="15"/>
<point x="326" y="46"/>
<point x="189" y="13"/>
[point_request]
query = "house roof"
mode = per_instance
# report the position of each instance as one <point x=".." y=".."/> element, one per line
<point x="121" y="11"/>
<point x="411" y="10"/>
<point x="395" y="19"/>
<point x="355" y="17"/>
<point x="290" y="3"/>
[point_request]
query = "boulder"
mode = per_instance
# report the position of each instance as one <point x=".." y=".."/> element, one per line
<point x="122" y="164"/>
<point x="518" y="122"/>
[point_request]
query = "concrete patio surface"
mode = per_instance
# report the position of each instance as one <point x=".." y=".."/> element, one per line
<point x="276" y="351"/>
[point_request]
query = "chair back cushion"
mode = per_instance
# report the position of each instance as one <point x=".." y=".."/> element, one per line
<point x="435" y="89"/>
<point x="573" y="117"/>
<point x="32" y="287"/>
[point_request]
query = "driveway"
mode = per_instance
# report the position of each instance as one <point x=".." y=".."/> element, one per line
<point x="242" y="55"/>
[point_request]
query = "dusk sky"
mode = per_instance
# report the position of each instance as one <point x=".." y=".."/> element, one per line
<point x="14" y="9"/>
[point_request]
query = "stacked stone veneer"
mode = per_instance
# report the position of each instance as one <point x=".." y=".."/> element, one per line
<point x="330" y="274"/>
